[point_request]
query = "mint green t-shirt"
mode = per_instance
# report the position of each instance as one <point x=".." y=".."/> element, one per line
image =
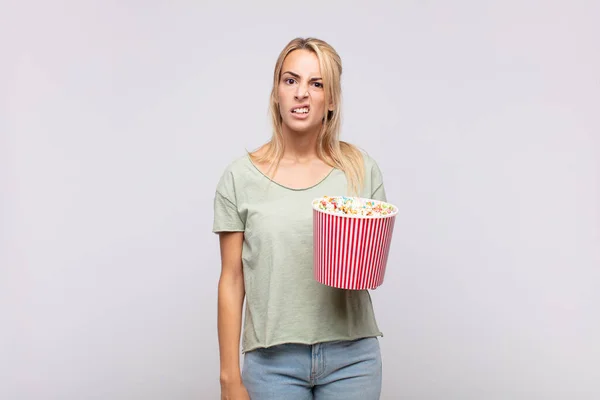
<point x="284" y="302"/>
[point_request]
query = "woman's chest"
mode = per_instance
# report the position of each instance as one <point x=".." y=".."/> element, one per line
<point x="279" y="219"/>
<point x="277" y="212"/>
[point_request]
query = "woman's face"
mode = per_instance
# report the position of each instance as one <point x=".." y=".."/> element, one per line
<point x="300" y="94"/>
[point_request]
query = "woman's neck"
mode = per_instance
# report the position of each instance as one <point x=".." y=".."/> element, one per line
<point x="300" y="147"/>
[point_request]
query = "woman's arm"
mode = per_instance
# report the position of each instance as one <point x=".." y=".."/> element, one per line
<point x="230" y="301"/>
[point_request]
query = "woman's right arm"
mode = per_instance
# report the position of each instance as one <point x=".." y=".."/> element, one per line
<point x="230" y="302"/>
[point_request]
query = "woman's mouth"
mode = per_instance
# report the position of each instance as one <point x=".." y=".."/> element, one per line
<point x="301" y="112"/>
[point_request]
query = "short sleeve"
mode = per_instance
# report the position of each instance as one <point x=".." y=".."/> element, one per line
<point x="226" y="215"/>
<point x="378" y="188"/>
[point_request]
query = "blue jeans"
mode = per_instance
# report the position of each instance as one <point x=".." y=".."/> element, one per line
<point x="349" y="370"/>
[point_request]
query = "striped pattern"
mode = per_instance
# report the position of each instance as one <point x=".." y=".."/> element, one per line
<point x="351" y="253"/>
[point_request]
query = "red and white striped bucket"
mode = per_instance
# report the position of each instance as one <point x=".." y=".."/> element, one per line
<point x="351" y="251"/>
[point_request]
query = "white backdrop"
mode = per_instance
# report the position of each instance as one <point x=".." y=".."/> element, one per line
<point x="118" y="118"/>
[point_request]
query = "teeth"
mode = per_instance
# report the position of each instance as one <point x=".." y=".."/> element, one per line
<point x="300" y="110"/>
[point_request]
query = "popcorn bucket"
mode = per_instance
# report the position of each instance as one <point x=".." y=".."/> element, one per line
<point x="351" y="238"/>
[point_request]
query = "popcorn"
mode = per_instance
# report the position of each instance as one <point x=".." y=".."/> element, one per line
<point x="351" y="241"/>
<point x="353" y="206"/>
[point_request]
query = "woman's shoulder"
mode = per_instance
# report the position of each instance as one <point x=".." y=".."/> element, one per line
<point x="369" y="162"/>
<point x="372" y="171"/>
<point x="236" y="165"/>
<point x="234" y="172"/>
<point x="373" y="176"/>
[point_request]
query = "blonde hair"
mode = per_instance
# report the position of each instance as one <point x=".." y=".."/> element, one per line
<point x="330" y="149"/>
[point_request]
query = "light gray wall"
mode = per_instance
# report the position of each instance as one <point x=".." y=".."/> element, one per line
<point x="484" y="117"/>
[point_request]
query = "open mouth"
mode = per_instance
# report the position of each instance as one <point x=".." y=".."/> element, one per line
<point x="301" y="110"/>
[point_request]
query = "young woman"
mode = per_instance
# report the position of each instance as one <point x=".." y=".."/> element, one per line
<point x="300" y="339"/>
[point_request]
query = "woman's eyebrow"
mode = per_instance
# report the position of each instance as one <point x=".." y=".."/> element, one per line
<point x="292" y="74"/>
<point x="295" y="75"/>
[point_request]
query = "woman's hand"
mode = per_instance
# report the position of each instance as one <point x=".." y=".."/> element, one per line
<point x="234" y="391"/>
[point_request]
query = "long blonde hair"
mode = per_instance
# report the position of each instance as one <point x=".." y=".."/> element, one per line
<point x="330" y="149"/>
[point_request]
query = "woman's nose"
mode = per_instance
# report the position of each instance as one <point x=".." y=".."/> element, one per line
<point x="301" y="92"/>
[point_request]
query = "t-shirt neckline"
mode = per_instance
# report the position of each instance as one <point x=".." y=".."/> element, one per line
<point x="287" y="187"/>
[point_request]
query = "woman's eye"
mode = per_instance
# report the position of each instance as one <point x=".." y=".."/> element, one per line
<point x="318" y="84"/>
<point x="289" y="81"/>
